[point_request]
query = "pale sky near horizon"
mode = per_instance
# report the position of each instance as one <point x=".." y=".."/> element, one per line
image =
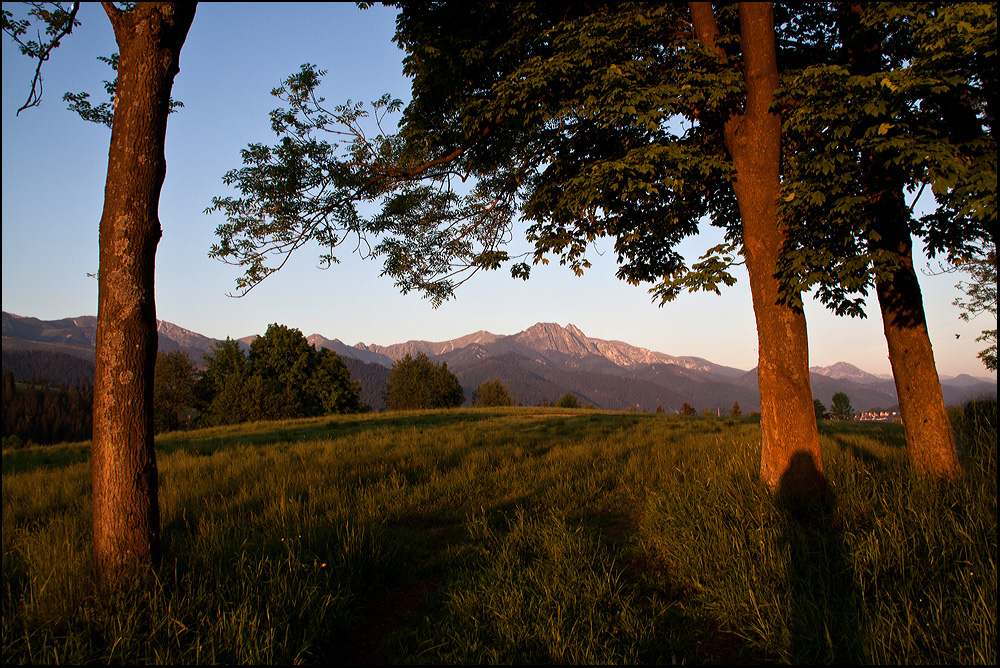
<point x="54" y="166"/>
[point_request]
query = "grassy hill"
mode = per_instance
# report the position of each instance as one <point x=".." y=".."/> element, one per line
<point x="517" y="535"/>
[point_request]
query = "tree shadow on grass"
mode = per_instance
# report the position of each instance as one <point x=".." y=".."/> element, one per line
<point x="207" y="441"/>
<point x="825" y="606"/>
<point x="50" y="457"/>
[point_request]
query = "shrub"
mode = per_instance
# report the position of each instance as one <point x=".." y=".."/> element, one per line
<point x="492" y="393"/>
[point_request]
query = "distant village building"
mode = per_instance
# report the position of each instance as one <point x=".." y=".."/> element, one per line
<point x="881" y="416"/>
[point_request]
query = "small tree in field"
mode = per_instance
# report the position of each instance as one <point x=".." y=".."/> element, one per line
<point x="842" y="409"/>
<point x="568" y="400"/>
<point x="821" y="413"/>
<point x="417" y="383"/>
<point x="736" y="411"/>
<point x="282" y="377"/>
<point x="492" y="393"/>
<point x="688" y="409"/>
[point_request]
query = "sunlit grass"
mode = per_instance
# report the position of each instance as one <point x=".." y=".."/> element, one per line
<point x="531" y="535"/>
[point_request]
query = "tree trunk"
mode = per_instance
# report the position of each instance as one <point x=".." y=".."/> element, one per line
<point x="929" y="441"/>
<point x="791" y="465"/>
<point x="126" y="514"/>
<point x="930" y="444"/>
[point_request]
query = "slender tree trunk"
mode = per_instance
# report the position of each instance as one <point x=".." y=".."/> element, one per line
<point x="126" y="514"/>
<point x="929" y="440"/>
<point x="790" y="460"/>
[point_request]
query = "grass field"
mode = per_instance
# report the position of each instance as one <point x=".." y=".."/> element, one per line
<point x="517" y="535"/>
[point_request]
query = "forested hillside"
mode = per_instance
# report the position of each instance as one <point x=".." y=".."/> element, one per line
<point x="40" y="414"/>
<point x="55" y="367"/>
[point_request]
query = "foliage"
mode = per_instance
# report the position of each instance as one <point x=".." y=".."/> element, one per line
<point x="58" y="21"/>
<point x="281" y="377"/>
<point x="34" y="412"/>
<point x="736" y="411"/>
<point x="821" y="412"/>
<point x="570" y="125"/>
<point x="981" y="297"/>
<point x="688" y="409"/>
<point x="568" y="400"/>
<point x="224" y="360"/>
<point x="417" y="383"/>
<point x="54" y="366"/>
<point x="491" y="393"/>
<point x="173" y="389"/>
<point x="841" y="408"/>
<point x="605" y="121"/>
<point x="511" y="536"/>
<point x="916" y="113"/>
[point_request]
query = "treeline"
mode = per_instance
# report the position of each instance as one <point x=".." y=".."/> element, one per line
<point x="35" y="413"/>
<point x="282" y="376"/>
<point x="56" y="367"/>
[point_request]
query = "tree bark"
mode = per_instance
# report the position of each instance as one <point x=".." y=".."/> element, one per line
<point x="126" y="514"/>
<point x="930" y="443"/>
<point x="791" y="465"/>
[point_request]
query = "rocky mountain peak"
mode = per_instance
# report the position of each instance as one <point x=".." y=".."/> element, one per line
<point x="551" y="336"/>
<point x="845" y="371"/>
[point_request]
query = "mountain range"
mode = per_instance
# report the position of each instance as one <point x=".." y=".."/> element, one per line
<point x="544" y="361"/>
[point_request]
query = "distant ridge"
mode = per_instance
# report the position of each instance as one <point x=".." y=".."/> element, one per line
<point x="843" y="370"/>
<point x="543" y="361"/>
<point x="399" y="350"/>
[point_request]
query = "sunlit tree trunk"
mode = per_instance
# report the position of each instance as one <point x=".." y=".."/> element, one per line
<point x="790" y="461"/>
<point x="929" y="440"/>
<point x="126" y="515"/>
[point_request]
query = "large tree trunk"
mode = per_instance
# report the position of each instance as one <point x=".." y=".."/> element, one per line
<point x="929" y="440"/>
<point x="126" y="519"/>
<point x="790" y="460"/>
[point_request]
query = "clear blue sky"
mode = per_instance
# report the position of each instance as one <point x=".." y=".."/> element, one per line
<point x="54" y="167"/>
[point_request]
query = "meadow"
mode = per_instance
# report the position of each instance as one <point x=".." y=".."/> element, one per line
<point x="519" y="535"/>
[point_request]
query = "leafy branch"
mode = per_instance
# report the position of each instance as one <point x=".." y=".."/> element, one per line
<point x="311" y="185"/>
<point x="58" y="21"/>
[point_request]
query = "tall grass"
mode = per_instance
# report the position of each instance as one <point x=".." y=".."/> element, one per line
<point x="512" y="535"/>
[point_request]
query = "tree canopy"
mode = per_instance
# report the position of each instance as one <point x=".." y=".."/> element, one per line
<point x="417" y="383"/>
<point x="281" y="377"/>
<point x="554" y="130"/>
<point x="981" y="297"/>
<point x="907" y="95"/>
<point x="841" y="408"/>
<point x="568" y="400"/>
<point x="491" y="393"/>
<point x="606" y="120"/>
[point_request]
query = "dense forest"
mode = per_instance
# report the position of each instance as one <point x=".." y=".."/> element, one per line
<point x="37" y="413"/>
<point x="56" y="367"/>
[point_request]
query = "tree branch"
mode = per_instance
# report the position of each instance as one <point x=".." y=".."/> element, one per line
<point x="59" y="30"/>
